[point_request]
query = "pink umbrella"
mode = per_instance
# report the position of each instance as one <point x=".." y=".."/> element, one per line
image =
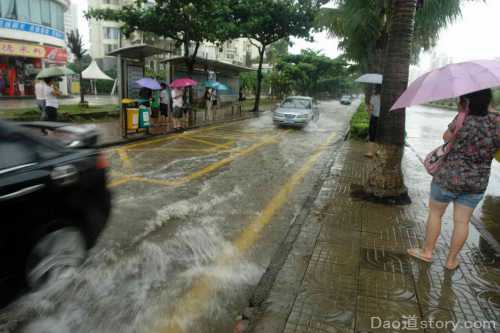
<point x="450" y="81"/>
<point x="183" y="83"/>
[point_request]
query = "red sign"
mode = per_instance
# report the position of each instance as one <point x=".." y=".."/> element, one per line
<point x="56" y="54"/>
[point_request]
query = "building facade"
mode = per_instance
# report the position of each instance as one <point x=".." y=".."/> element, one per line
<point x="31" y="38"/>
<point x="105" y="37"/>
<point x="71" y="24"/>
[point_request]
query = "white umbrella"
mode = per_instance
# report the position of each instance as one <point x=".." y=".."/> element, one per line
<point x="370" y="78"/>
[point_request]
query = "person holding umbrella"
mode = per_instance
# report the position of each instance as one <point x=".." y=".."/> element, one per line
<point x="374" y="112"/>
<point x="51" y="93"/>
<point x="177" y="103"/>
<point x="472" y="138"/>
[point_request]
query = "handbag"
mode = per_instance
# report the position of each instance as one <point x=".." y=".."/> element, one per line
<point x="497" y="155"/>
<point x="434" y="160"/>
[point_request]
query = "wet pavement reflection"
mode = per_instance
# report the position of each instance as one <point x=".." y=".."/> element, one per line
<point x="196" y="218"/>
<point x="349" y="271"/>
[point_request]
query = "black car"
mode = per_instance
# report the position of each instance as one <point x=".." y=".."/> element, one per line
<point x="54" y="203"/>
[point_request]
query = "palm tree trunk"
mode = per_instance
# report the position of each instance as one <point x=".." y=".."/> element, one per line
<point x="386" y="177"/>
<point x="259" y="79"/>
<point x="82" y="96"/>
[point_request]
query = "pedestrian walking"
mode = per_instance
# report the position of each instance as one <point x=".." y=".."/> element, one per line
<point x="463" y="175"/>
<point x="373" y="110"/>
<point x="177" y="103"/>
<point x="208" y="103"/>
<point x="215" y="103"/>
<point x="51" y="93"/>
<point x="40" y="97"/>
<point x="164" y="100"/>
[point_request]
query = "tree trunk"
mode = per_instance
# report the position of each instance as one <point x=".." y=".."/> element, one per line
<point x="82" y="94"/>
<point x="386" y="177"/>
<point x="259" y="78"/>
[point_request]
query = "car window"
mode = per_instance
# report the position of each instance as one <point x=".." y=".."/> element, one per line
<point x="17" y="149"/>
<point x="14" y="152"/>
<point x="294" y="103"/>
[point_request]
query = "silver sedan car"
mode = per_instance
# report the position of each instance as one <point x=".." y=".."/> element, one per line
<point x="295" y="111"/>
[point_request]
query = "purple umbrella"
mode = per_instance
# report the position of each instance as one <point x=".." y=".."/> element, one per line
<point x="450" y="81"/>
<point x="149" y="83"/>
<point x="183" y="83"/>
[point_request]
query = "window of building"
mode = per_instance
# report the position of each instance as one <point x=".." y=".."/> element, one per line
<point x="8" y="8"/>
<point x="110" y="47"/>
<point x="54" y="10"/>
<point x="111" y="33"/>
<point x="110" y="2"/>
<point x="35" y="11"/>
<point x="60" y="18"/>
<point x="45" y="10"/>
<point x="23" y="10"/>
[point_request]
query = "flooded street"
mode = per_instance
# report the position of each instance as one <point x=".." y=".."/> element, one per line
<point x="196" y="219"/>
<point x="425" y="127"/>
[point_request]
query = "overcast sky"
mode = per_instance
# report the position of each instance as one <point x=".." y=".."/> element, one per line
<point x="473" y="36"/>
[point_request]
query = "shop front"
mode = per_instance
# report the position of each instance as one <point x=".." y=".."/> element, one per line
<point x="21" y="62"/>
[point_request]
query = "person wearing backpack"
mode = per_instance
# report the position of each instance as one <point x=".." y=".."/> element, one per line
<point x="462" y="174"/>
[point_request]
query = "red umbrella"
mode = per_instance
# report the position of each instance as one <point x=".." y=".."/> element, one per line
<point x="183" y="83"/>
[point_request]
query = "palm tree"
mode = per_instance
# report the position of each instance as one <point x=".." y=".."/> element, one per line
<point x="75" y="44"/>
<point x="362" y="27"/>
<point x="386" y="179"/>
<point x="386" y="36"/>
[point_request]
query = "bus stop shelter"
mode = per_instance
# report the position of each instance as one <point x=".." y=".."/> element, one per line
<point x="131" y="68"/>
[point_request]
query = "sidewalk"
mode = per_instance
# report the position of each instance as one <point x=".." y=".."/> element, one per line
<point x="348" y="270"/>
<point x="111" y="130"/>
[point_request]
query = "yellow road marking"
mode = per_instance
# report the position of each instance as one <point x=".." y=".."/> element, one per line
<point x="200" y="173"/>
<point x="210" y="143"/>
<point x="122" y="153"/>
<point x="196" y="300"/>
<point x="173" y="149"/>
<point x="166" y="138"/>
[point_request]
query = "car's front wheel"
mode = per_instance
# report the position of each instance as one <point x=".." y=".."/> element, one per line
<point x="55" y="255"/>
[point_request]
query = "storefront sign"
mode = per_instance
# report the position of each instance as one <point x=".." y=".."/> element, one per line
<point x="56" y="54"/>
<point x="22" y="50"/>
<point x="30" y="27"/>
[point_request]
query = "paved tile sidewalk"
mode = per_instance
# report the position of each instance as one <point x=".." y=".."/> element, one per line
<point x="349" y="265"/>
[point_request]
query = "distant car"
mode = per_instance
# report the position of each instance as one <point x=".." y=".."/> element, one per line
<point x="345" y="100"/>
<point x="295" y="111"/>
<point x="54" y="203"/>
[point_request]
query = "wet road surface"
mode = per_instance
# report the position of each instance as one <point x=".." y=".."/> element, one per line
<point x="197" y="217"/>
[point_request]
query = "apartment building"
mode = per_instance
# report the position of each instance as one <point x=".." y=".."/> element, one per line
<point x="105" y="37"/>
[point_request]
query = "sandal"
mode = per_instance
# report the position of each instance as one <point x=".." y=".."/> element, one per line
<point x="453" y="268"/>
<point x="417" y="253"/>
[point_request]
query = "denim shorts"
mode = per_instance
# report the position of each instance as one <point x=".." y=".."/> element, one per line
<point x="441" y="195"/>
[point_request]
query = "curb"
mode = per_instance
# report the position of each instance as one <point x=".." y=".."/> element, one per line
<point x="148" y="136"/>
<point x="245" y="322"/>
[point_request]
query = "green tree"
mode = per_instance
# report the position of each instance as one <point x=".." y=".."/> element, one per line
<point x="75" y="44"/>
<point x="187" y="23"/>
<point x="311" y="73"/>
<point x="362" y="27"/>
<point x="265" y="22"/>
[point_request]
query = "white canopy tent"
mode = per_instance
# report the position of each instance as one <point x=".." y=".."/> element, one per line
<point x="93" y="72"/>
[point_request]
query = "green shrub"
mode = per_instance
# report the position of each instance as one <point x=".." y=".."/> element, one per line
<point x="360" y="123"/>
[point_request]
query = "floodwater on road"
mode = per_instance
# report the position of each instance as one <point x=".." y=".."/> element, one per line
<point x="425" y="127"/>
<point x="197" y="217"/>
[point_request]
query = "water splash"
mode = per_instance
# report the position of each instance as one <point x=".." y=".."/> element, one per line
<point x="131" y="294"/>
